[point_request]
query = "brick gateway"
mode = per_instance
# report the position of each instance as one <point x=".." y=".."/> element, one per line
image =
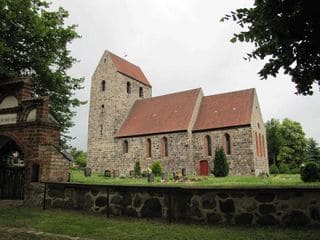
<point x="29" y="138"/>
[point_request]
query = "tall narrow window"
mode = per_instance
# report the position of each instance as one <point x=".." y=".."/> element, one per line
<point x="164" y="147"/>
<point x="103" y="85"/>
<point x="125" y="146"/>
<point x="141" y="92"/>
<point x="207" y="145"/>
<point x="128" y="87"/>
<point x="102" y="108"/>
<point x="257" y="144"/>
<point x="227" y="142"/>
<point x="101" y="129"/>
<point x="35" y="170"/>
<point x="148" y="147"/>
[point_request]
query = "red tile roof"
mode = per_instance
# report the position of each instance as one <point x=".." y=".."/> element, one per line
<point x="129" y="69"/>
<point x="167" y="113"/>
<point x="225" y="110"/>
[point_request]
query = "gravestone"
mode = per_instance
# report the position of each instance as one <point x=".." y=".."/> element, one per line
<point x="87" y="172"/>
<point x="150" y="177"/>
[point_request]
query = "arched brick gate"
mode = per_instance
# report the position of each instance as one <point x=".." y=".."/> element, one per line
<point x="26" y="122"/>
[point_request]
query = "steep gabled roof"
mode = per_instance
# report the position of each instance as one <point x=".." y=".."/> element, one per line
<point x="129" y="69"/>
<point x="163" y="114"/>
<point x="225" y="110"/>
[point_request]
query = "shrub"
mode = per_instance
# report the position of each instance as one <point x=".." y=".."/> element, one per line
<point x="295" y="170"/>
<point x="274" y="169"/>
<point x="283" y="168"/>
<point x="221" y="166"/>
<point x="137" y="169"/>
<point x="156" y="168"/>
<point x="310" y="172"/>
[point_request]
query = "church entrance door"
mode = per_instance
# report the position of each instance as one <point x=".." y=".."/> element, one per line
<point x="204" y="167"/>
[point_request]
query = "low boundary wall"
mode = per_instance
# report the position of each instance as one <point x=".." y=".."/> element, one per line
<point x="288" y="206"/>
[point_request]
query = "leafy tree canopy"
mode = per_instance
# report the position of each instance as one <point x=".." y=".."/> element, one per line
<point x="286" y="32"/>
<point x="33" y="42"/>
<point x="286" y="142"/>
<point x="79" y="157"/>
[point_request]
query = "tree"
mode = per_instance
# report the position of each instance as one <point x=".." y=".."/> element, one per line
<point x="273" y="139"/>
<point x="293" y="142"/>
<point x="286" y="33"/>
<point x="79" y="157"/>
<point x="33" y="42"/>
<point x="156" y="167"/>
<point x="221" y="166"/>
<point x="286" y="142"/>
<point x="313" y="151"/>
<point x="137" y="169"/>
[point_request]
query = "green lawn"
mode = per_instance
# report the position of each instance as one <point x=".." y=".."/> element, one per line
<point x="274" y="180"/>
<point x="97" y="227"/>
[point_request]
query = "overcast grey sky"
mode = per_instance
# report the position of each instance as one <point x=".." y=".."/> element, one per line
<point x="179" y="45"/>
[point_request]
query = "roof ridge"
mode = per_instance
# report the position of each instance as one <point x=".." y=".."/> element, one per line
<point x="226" y="93"/>
<point x="168" y="94"/>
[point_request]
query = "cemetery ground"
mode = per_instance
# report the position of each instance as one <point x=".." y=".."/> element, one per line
<point x="77" y="176"/>
<point x="88" y="226"/>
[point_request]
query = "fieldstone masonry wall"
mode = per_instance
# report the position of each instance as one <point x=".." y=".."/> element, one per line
<point x="179" y="152"/>
<point x="104" y="122"/>
<point x="237" y="206"/>
<point x="241" y="158"/>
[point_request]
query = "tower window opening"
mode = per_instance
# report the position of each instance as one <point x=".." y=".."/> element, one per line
<point x="128" y="87"/>
<point x="141" y="92"/>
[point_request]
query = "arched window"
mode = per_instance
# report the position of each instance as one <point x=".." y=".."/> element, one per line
<point x="128" y="87"/>
<point x="141" y="92"/>
<point x="148" y="148"/>
<point x="227" y="143"/>
<point x="125" y="146"/>
<point x="32" y="115"/>
<point x="257" y="144"/>
<point x="35" y="170"/>
<point x="208" y="145"/>
<point x="164" y="147"/>
<point x="9" y="102"/>
<point x="103" y="85"/>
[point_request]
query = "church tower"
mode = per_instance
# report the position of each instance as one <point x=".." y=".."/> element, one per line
<point x="115" y="85"/>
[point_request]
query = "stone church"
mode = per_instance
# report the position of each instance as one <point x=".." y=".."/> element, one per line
<point x="181" y="130"/>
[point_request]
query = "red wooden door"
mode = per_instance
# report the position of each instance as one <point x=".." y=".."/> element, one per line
<point x="204" y="168"/>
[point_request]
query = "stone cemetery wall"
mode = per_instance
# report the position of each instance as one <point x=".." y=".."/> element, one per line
<point x="288" y="206"/>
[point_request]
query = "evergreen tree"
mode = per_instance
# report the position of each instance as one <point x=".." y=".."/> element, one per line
<point x="313" y="151"/>
<point x="221" y="166"/>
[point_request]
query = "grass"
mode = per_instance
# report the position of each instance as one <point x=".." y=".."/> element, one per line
<point x="273" y="180"/>
<point x="97" y="227"/>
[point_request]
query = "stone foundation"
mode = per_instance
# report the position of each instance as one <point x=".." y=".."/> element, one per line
<point x="288" y="206"/>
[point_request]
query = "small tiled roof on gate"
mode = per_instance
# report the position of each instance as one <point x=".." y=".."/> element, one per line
<point x="225" y="110"/>
<point x="129" y="69"/>
<point x="163" y="114"/>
